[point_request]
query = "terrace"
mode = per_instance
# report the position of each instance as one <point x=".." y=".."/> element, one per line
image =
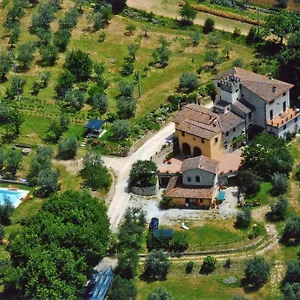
<point x="284" y="118"/>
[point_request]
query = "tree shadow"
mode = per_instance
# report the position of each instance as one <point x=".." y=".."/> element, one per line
<point x="249" y="287"/>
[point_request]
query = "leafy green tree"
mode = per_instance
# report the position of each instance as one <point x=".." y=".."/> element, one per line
<point x="65" y="82"/>
<point x="257" y="271"/>
<point x="188" y="82"/>
<point x="248" y="182"/>
<point x="208" y="26"/>
<point x="126" y="107"/>
<point x="211" y="90"/>
<point x="266" y="155"/>
<point x="162" y="54"/>
<point x="70" y="20"/>
<point x="2" y="158"/>
<point x="75" y="99"/>
<point x="5" y="65"/>
<point x="99" y="102"/>
<point x="25" y="54"/>
<point x="95" y="175"/>
<point x="44" y="36"/>
<point x="157" y="265"/>
<point x="280" y="25"/>
<point x="292" y="229"/>
<point x="127" y="264"/>
<point x="44" y="78"/>
<point x="160" y="294"/>
<point x="14" y="34"/>
<point x="143" y="173"/>
<point x="189" y="267"/>
<point x="132" y="49"/>
<point x="179" y="242"/>
<point x="13" y="161"/>
<point x="79" y="4"/>
<point x="49" y="55"/>
<point x="61" y="39"/>
<point x="126" y="88"/>
<point x="214" y="40"/>
<point x="6" y="211"/>
<point x="121" y="129"/>
<point x="48" y="181"/>
<point x="237" y="63"/>
<point x="279" y="209"/>
<point x="67" y="148"/>
<point x="61" y="248"/>
<point x="291" y="291"/>
<point x="79" y="64"/>
<point x="122" y="289"/>
<point x="280" y="183"/>
<point x="2" y="232"/>
<point x="187" y="13"/>
<point x="291" y="285"/>
<point x="209" y="265"/>
<point x="226" y="50"/>
<point x="16" y="88"/>
<point x="99" y="69"/>
<point x="195" y="37"/>
<point x="212" y="56"/>
<point x="43" y="17"/>
<point x="243" y="218"/>
<point x="127" y="68"/>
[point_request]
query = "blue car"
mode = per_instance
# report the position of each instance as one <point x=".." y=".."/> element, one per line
<point x="154" y="223"/>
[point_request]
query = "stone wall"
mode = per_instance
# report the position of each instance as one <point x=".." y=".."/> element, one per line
<point x="145" y="191"/>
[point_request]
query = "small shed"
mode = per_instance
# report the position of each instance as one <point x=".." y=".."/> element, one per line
<point x="166" y="233"/>
<point x="94" y="127"/>
<point x="221" y="196"/>
<point x="100" y="284"/>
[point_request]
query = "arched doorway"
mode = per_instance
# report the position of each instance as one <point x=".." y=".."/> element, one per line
<point x="197" y="151"/>
<point x="186" y="149"/>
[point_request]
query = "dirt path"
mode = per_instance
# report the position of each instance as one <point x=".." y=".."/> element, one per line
<point x="169" y="8"/>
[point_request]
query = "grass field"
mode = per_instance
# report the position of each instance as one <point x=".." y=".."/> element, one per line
<point x="156" y="86"/>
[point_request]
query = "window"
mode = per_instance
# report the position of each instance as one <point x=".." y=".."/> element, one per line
<point x="194" y="138"/>
<point x="250" y="115"/>
<point x="227" y="133"/>
<point x="225" y="146"/>
<point x="202" y="140"/>
<point x="296" y="119"/>
<point x="233" y="129"/>
<point x="201" y="200"/>
<point x="271" y="114"/>
<point x="283" y="94"/>
<point x="216" y="140"/>
<point x="182" y="133"/>
<point x="197" y="178"/>
<point x="284" y="106"/>
<point x="284" y="127"/>
<point x="189" y="179"/>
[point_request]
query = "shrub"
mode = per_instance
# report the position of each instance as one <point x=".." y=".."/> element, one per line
<point x="236" y="32"/>
<point x="188" y="82"/>
<point x="279" y="208"/>
<point x="189" y="267"/>
<point x="257" y="271"/>
<point x="243" y="218"/>
<point x="255" y="232"/>
<point x="160" y="294"/>
<point x="227" y="264"/>
<point x="122" y="289"/>
<point x="157" y="265"/>
<point x="67" y="148"/>
<point x="280" y="183"/>
<point x="2" y="232"/>
<point x="248" y="182"/>
<point x="209" y="265"/>
<point x="237" y="63"/>
<point x="292" y="229"/>
<point x="297" y="172"/>
<point x="121" y="129"/>
<point x="165" y="201"/>
<point x="208" y="26"/>
<point x="179" y="242"/>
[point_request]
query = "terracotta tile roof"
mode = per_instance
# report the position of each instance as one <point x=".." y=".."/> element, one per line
<point x="258" y="84"/>
<point x="176" y="189"/>
<point x="200" y="162"/>
<point x="230" y="120"/>
<point x="284" y="118"/>
<point x="198" y="120"/>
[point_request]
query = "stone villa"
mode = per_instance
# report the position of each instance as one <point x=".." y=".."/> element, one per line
<point x="245" y="100"/>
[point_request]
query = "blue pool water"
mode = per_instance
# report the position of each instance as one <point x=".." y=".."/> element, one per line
<point x="13" y="196"/>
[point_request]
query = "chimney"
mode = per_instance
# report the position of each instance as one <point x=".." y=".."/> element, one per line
<point x="274" y="89"/>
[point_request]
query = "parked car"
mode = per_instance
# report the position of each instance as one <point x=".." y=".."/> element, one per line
<point x="154" y="223"/>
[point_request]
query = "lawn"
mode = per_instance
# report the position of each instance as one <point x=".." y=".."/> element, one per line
<point x="263" y="197"/>
<point x="205" y="287"/>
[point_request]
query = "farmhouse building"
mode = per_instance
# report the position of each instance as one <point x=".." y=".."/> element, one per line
<point x="196" y="185"/>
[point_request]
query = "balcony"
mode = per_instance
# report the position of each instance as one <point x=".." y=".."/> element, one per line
<point x="284" y="117"/>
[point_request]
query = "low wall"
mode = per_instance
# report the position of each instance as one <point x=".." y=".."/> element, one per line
<point x="13" y="182"/>
<point x="145" y="191"/>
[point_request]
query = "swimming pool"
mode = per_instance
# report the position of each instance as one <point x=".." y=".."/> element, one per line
<point x="13" y="196"/>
